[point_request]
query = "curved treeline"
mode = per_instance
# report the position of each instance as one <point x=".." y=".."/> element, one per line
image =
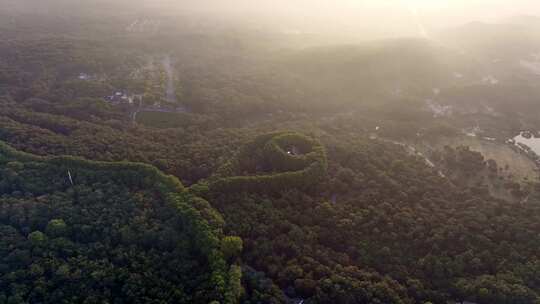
<point x="383" y="227"/>
<point x="189" y="154"/>
<point x="112" y="232"/>
<point x="272" y="163"/>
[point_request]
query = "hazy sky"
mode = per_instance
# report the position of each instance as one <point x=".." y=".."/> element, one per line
<point x="393" y="17"/>
<point x="469" y="7"/>
<point x="340" y="9"/>
<point x="378" y="18"/>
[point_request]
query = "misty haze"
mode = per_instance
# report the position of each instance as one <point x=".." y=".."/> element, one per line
<point x="268" y="152"/>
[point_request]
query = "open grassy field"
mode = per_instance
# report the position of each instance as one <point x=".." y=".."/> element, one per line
<point x="519" y="165"/>
<point x="165" y="120"/>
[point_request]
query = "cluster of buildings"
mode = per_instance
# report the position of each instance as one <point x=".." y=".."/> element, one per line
<point x="527" y="143"/>
<point x="84" y="76"/>
<point x="121" y="97"/>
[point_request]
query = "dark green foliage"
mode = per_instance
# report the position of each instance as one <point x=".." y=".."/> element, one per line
<point x="270" y="168"/>
<point x="384" y="228"/>
<point x="123" y="233"/>
<point x="186" y="153"/>
<point x="57" y="228"/>
<point x="367" y="224"/>
<point x="165" y="120"/>
<point x="231" y="246"/>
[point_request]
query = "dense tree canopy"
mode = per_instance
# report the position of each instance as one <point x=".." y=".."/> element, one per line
<point x="80" y="232"/>
<point x="340" y="208"/>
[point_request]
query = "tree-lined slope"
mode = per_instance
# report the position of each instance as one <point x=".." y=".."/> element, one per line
<point x="272" y="163"/>
<point x="75" y="231"/>
<point x="383" y="227"/>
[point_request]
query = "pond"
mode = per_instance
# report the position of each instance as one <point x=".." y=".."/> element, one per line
<point x="527" y="139"/>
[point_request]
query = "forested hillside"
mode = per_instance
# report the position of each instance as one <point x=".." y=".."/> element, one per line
<point x="384" y="228"/>
<point x="75" y="231"/>
<point x="215" y="162"/>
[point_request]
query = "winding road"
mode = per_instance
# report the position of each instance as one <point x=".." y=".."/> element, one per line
<point x="170" y="91"/>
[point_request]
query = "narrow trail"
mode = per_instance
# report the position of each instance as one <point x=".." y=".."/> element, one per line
<point x="170" y="91"/>
<point x="134" y="114"/>
<point x="413" y="151"/>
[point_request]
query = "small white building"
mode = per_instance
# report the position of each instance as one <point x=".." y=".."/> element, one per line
<point x="84" y="76"/>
